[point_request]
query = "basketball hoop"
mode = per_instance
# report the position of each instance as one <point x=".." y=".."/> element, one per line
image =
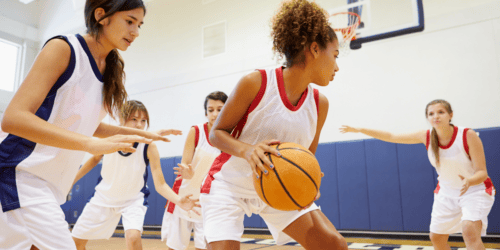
<point x="345" y="25"/>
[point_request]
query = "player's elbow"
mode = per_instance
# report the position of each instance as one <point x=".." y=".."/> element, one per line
<point x="7" y="124"/>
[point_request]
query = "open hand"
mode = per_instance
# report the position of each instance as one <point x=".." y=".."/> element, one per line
<point x="184" y="171"/>
<point x="346" y="129"/>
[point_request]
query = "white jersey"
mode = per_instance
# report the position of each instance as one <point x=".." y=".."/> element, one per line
<point x="455" y="160"/>
<point x="204" y="156"/>
<point x="123" y="179"/>
<point x="270" y="116"/>
<point x="33" y="173"/>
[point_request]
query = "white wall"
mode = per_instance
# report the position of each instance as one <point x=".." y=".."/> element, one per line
<point x="384" y="85"/>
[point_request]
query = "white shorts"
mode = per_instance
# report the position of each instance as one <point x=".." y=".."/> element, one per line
<point x="449" y="212"/>
<point x="41" y="225"/>
<point x="98" y="222"/>
<point x="177" y="232"/>
<point x="223" y="217"/>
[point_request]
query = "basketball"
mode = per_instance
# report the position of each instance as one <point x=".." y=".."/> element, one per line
<point x="295" y="180"/>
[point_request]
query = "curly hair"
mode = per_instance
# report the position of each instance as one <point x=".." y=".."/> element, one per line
<point x="297" y="24"/>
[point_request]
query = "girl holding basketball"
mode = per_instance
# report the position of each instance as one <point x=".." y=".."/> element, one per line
<point x="266" y="107"/>
<point x="465" y="194"/>
<point x="74" y="82"/>
<point x="122" y="189"/>
<point x="197" y="158"/>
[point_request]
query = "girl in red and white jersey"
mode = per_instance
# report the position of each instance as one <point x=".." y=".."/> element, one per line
<point x="465" y="194"/>
<point x="197" y="158"/>
<point x="266" y="107"/>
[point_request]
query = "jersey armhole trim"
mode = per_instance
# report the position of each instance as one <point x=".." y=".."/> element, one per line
<point x="69" y="70"/>
<point x="196" y="136"/>
<point x="316" y="99"/>
<point x="427" y="139"/>
<point x="146" y="158"/>
<point x="466" y="145"/>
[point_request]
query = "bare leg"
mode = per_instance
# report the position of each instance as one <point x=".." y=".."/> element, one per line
<point x="440" y="241"/>
<point x="314" y="231"/>
<point x="471" y="231"/>
<point x="80" y="243"/>
<point x="224" y="245"/>
<point x="133" y="239"/>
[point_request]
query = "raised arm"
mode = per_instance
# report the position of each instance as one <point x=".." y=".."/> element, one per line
<point x="161" y="186"/>
<point x="20" y="119"/>
<point x="184" y="169"/>
<point x="404" y="138"/>
<point x="236" y="105"/>
<point x="87" y="166"/>
<point x="476" y="152"/>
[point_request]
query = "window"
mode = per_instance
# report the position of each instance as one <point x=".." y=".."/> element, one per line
<point x="8" y="65"/>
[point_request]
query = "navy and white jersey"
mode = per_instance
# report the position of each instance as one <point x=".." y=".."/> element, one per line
<point x="33" y="173"/>
<point x="123" y="178"/>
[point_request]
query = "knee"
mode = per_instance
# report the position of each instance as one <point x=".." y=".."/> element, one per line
<point x="334" y="241"/>
<point x="471" y="233"/>
<point x="134" y="239"/>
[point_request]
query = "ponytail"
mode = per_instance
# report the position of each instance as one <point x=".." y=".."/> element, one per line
<point x="113" y="92"/>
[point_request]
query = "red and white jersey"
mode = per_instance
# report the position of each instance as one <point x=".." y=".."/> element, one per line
<point x="455" y="160"/>
<point x="204" y="156"/>
<point x="270" y="116"/>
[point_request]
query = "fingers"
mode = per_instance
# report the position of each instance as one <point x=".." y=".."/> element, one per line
<point x="126" y="147"/>
<point x="322" y="174"/>
<point x="178" y="178"/>
<point x="130" y="138"/>
<point x="272" y="150"/>
<point x="259" y="164"/>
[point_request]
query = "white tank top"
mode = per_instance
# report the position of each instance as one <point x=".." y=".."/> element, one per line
<point x="270" y="116"/>
<point x="33" y="173"/>
<point x="204" y="156"/>
<point x="454" y="160"/>
<point x="123" y="179"/>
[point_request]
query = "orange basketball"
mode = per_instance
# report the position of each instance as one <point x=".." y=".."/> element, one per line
<point x="295" y="180"/>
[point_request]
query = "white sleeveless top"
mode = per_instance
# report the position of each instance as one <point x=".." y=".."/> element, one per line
<point x="455" y="160"/>
<point x="204" y="156"/>
<point x="270" y="116"/>
<point x="33" y="173"/>
<point x="123" y="179"/>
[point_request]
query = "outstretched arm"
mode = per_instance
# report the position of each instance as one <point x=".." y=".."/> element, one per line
<point x="405" y="138"/>
<point x="162" y="187"/>
<point x="87" y="166"/>
<point x="20" y="116"/>
<point x="105" y="130"/>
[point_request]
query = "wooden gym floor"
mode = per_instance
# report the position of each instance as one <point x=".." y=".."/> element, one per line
<point x="151" y="241"/>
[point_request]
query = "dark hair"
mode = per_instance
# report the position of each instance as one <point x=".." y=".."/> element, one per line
<point x="296" y="25"/>
<point x="114" y="93"/>
<point x="434" y="138"/>
<point x="216" y="96"/>
<point x="130" y="107"/>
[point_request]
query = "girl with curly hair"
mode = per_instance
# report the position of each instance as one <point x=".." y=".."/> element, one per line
<point x="266" y="107"/>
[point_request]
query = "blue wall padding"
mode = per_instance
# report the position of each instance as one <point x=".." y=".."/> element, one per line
<point x="491" y="144"/>
<point x="417" y="186"/>
<point x="352" y="186"/>
<point x="383" y="186"/>
<point x="368" y="185"/>
<point x="327" y="158"/>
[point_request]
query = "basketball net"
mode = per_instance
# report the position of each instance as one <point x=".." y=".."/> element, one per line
<point x="345" y="25"/>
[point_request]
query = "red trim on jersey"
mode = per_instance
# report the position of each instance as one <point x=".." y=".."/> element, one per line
<point x="205" y="126"/>
<point x="466" y="146"/>
<point x="216" y="167"/>
<point x="316" y="99"/>
<point x="239" y="127"/>
<point x="197" y="136"/>
<point x="284" y="98"/>
<point x="489" y="186"/>
<point x="175" y="188"/>
<point x="437" y="188"/>
<point x="428" y="139"/>
<point x="455" y="132"/>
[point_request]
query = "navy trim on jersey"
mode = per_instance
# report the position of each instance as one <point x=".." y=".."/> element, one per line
<point x="14" y="149"/>
<point x="145" y="189"/>
<point x="127" y="154"/>
<point x="85" y="47"/>
<point x="146" y="159"/>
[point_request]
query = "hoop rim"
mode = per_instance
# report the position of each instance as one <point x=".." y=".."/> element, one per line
<point x="357" y="23"/>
